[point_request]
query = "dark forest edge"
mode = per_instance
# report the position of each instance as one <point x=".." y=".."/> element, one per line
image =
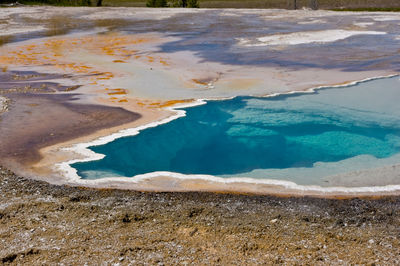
<point x="149" y="3"/>
<point x="53" y="2"/>
<point x="174" y="3"/>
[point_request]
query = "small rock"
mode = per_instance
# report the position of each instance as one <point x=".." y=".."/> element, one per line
<point x="126" y="219"/>
<point x="194" y="232"/>
<point x="273" y="221"/>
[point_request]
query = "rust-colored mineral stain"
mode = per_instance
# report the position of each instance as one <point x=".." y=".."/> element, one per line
<point x="118" y="92"/>
<point x="166" y="103"/>
<point x="164" y="63"/>
<point x="140" y="104"/>
<point x="173" y="102"/>
<point x="51" y="53"/>
<point x="72" y="88"/>
<point x="105" y="76"/>
<point x="123" y="101"/>
<point x="200" y="82"/>
<point x="150" y="59"/>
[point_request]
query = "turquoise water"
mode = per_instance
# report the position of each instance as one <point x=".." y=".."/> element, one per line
<point x="264" y="137"/>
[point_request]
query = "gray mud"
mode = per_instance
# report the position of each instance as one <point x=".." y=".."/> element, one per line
<point x="38" y="116"/>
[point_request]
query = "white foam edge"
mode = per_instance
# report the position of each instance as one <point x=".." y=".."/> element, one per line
<point x="88" y="155"/>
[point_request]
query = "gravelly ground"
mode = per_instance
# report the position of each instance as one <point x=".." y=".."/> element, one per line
<point x="47" y="224"/>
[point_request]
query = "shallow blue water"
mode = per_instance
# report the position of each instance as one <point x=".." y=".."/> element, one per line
<point x="235" y="137"/>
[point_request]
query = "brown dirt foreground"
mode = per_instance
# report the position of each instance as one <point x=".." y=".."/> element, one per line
<point x="47" y="224"/>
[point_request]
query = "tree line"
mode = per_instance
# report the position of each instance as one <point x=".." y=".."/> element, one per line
<point x="294" y="4"/>
<point x="174" y="3"/>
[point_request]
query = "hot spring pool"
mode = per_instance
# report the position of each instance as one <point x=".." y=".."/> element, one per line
<point x="301" y="137"/>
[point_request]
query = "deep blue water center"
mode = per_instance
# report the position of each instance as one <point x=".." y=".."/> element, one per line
<point x="247" y="134"/>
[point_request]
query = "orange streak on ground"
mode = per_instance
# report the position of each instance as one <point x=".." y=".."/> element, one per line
<point x="165" y="104"/>
<point x="118" y="92"/>
<point x="164" y="63"/>
<point x="53" y="53"/>
<point x="199" y="82"/>
<point x="95" y="72"/>
<point x="150" y="59"/>
<point x="174" y="102"/>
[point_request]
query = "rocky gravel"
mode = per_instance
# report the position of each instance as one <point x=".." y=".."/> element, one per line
<point x="3" y="104"/>
<point x="47" y="224"/>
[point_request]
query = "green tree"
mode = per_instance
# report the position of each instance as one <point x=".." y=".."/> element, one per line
<point x="156" y="3"/>
<point x="185" y="3"/>
<point x="314" y="4"/>
<point x="193" y="3"/>
<point x="176" y="3"/>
